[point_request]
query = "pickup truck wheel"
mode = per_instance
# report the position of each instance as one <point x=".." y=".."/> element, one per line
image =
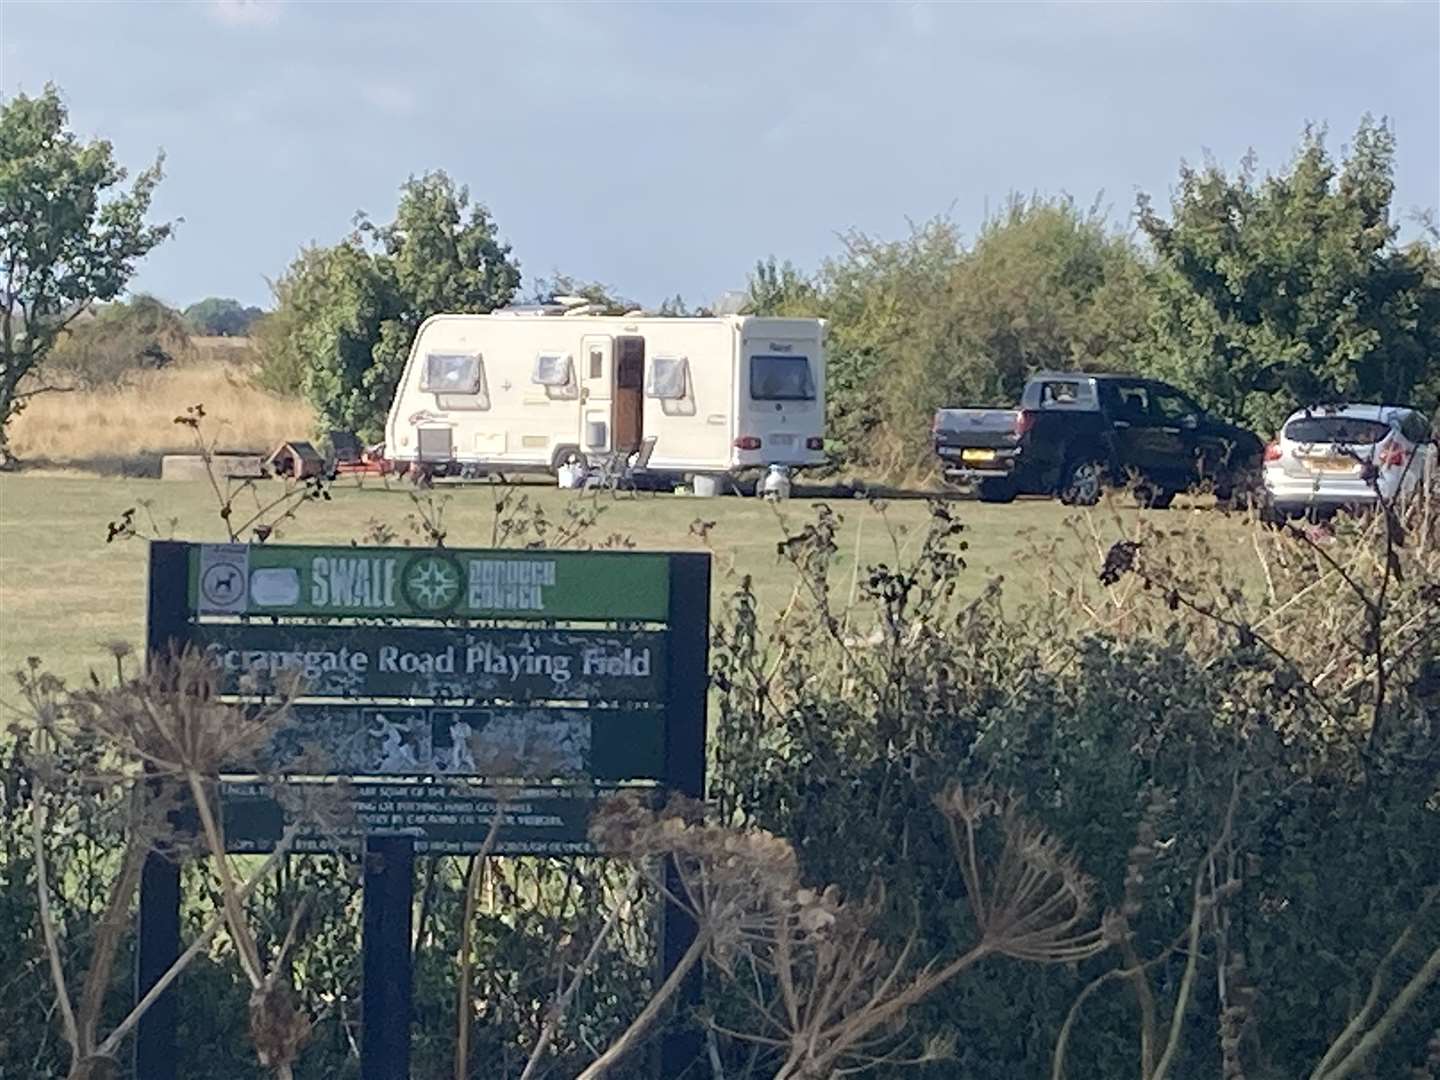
<point x="996" y="490"/>
<point x="1080" y="483"/>
<point x="1154" y="497"/>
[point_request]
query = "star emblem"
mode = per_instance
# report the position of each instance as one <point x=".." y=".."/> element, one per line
<point x="432" y="583"/>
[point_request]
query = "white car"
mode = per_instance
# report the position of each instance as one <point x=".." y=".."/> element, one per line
<point x="1335" y="456"/>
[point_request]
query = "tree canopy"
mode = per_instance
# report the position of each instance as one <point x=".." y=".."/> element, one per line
<point x="345" y="316"/>
<point x="221" y="317"/>
<point x="546" y="290"/>
<point x="1291" y="290"/>
<point x="928" y="320"/>
<point x="70" y="235"/>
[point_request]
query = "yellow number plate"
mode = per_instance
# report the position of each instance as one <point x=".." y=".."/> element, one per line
<point x="977" y="455"/>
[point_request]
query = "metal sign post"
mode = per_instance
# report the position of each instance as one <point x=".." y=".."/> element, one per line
<point x="428" y="676"/>
<point x="385" y="986"/>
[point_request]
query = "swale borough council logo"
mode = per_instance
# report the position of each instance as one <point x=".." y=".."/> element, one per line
<point x="432" y="583"/>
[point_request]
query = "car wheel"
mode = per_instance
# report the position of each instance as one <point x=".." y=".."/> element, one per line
<point x="996" y="491"/>
<point x="1081" y="483"/>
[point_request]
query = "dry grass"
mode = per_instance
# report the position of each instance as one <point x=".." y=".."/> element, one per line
<point x="126" y="431"/>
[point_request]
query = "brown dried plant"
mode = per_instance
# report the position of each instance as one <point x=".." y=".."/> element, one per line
<point x="1343" y="615"/>
<point x="175" y="721"/>
<point x="154" y="732"/>
<point x="1160" y="1044"/>
<point x="826" y="993"/>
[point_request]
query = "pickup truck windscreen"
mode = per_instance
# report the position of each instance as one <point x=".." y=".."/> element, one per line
<point x="781" y="378"/>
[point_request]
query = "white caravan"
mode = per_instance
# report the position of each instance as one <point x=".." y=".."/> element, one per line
<point x="531" y="389"/>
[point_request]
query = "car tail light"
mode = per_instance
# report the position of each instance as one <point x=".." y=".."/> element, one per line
<point x="1024" y="421"/>
<point x="814" y="442"/>
<point x="747" y="442"/>
<point x="1272" y="452"/>
<point x="1392" y="454"/>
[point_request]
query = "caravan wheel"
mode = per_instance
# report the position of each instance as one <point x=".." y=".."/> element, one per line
<point x="565" y="455"/>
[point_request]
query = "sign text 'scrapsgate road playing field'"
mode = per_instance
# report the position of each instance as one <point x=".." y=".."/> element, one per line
<point x="239" y="579"/>
<point x="498" y="663"/>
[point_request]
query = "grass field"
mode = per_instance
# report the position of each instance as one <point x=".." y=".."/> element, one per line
<point x="126" y="431"/>
<point x="65" y="592"/>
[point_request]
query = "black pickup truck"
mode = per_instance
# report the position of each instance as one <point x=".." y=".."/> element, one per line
<point x="1074" y="433"/>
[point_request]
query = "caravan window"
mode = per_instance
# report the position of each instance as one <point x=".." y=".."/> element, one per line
<point x="451" y="373"/>
<point x="669" y="378"/>
<point x="781" y="378"/>
<point x="556" y="373"/>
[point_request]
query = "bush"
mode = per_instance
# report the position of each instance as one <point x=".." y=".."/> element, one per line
<point x="120" y="340"/>
<point x="1278" y="799"/>
<point x="1245" y="781"/>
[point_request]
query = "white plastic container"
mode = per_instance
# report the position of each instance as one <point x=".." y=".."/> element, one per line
<point x="705" y="487"/>
<point x="571" y="475"/>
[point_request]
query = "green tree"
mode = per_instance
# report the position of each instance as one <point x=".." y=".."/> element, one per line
<point x="221" y="317"/>
<point x="548" y="290"/>
<point x="345" y="316"/>
<point x="780" y="289"/>
<point x="1046" y="285"/>
<point x="925" y="321"/>
<point x="1292" y="289"/>
<point x="887" y="302"/>
<point x="69" y="236"/>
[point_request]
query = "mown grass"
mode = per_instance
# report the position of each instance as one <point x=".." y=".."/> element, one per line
<point x="65" y="592"/>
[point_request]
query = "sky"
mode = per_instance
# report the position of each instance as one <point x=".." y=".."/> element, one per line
<point x="663" y="149"/>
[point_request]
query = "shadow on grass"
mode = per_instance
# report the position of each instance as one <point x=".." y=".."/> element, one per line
<point x="144" y="465"/>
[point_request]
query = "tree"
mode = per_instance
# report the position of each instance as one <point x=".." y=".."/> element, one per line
<point x="102" y="350"/>
<point x="548" y="290"/>
<point x="69" y="236"/>
<point x="346" y="315"/>
<point x="924" y="321"/>
<point x="1046" y="285"/>
<point x="780" y="289"/>
<point x="1292" y="290"/>
<point x="221" y="317"/>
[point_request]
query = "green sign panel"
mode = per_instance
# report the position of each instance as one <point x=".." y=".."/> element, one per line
<point x="428" y="583"/>
<point x="441" y="818"/>
<point x="506" y="742"/>
<point x="485" y="664"/>
<point x="444" y="697"/>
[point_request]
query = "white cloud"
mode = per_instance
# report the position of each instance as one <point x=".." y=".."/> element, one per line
<point x="246" y="12"/>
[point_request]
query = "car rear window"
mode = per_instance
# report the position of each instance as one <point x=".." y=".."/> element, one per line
<point x="1336" y="429"/>
<point x="781" y="378"/>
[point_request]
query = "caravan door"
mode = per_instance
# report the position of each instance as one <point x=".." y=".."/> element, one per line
<point x="597" y="379"/>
